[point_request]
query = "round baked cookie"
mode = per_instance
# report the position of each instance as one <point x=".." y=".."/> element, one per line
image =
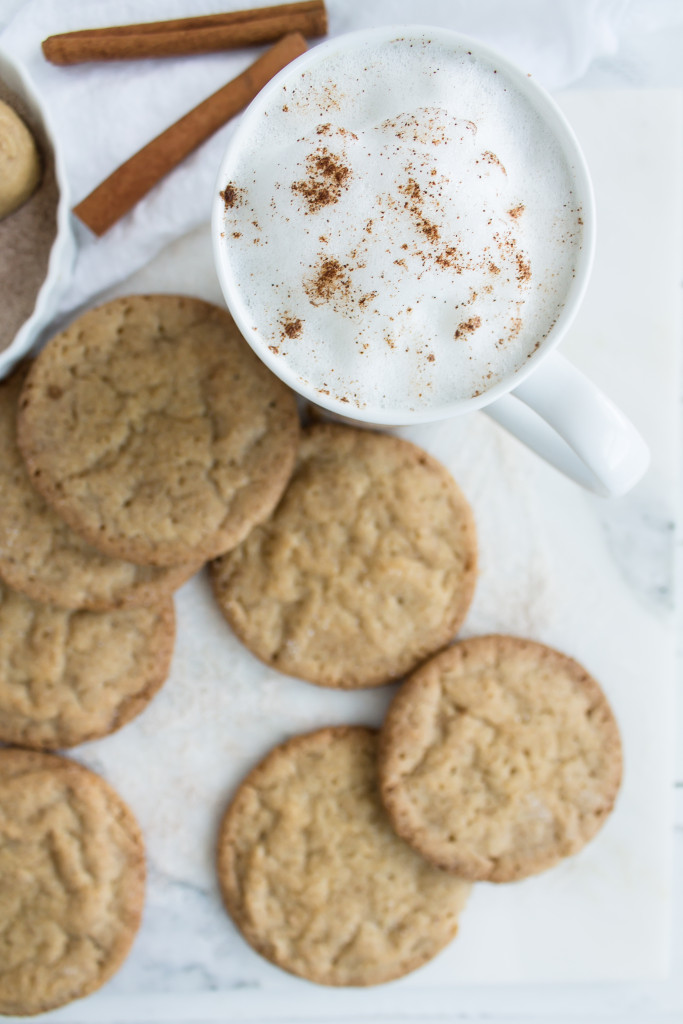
<point x="71" y="676"/>
<point x="42" y="557"/>
<point x="367" y="566"/>
<point x="155" y="431"/>
<point x="313" y="875"/>
<point x="72" y="881"/>
<point x="20" y="166"/>
<point x="498" y="757"/>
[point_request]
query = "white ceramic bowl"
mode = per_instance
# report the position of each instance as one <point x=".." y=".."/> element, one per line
<point x="64" y="246"/>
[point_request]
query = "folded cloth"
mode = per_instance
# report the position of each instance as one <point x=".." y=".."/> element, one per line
<point x="103" y="113"/>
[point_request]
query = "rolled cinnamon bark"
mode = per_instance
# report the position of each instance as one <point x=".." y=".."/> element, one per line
<point x="205" y="34"/>
<point x="133" y="179"/>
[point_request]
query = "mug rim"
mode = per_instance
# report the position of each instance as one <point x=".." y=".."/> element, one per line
<point x="542" y="102"/>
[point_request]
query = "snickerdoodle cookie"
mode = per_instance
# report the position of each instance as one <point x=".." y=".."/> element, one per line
<point x="72" y="880"/>
<point x="71" y="676"/>
<point x="155" y="431"/>
<point x="315" y="878"/>
<point x="498" y="757"/>
<point x="367" y="566"/>
<point x="42" y="557"/>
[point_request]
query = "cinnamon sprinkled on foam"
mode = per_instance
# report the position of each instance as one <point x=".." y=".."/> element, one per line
<point x="386" y="235"/>
<point x="326" y="177"/>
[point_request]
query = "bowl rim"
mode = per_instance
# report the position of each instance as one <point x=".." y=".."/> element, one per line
<point x="18" y="78"/>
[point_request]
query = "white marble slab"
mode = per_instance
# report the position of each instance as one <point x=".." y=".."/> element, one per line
<point x="591" y="577"/>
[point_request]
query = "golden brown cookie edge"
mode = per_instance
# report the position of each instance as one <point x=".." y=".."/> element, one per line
<point x="474" y="869"/>
<point x="158" y="660"/>
<point x="135" y="890"/>
<point x="229" y="884"/>
<point x="386" y="677"/>
<point x="139" y="552"/>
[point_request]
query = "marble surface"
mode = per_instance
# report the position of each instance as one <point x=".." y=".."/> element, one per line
<point x="592" y="577"/>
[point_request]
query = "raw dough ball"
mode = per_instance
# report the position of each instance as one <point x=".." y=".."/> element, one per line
<point x="20" y="169"/>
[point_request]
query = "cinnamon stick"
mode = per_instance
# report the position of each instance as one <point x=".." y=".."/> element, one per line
<point x="180" y="36"/>
<point x="133" y="179"/>
<point x="199" y="21"/>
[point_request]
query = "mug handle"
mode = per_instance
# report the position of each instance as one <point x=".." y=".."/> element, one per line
<point x="562" y="416"/>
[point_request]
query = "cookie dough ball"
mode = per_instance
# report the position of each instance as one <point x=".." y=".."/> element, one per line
<point x="20" y="169"/>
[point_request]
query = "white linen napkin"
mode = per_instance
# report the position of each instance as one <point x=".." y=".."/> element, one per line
<point x="104" y="112"/>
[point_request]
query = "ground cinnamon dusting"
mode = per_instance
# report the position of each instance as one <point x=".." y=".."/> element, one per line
<point x="515" y="328"/>
<point x="491" y="158"/>
<point x="327" y="178"/>
<point x="523" y="268"/>
<point x="467" y="327"/>
<point x="329" y="282"/>
<point x="292" y="328"/>
<point x="413" y="192"/>
<point x="450" y="258"/>
<point x="230" y="196"/>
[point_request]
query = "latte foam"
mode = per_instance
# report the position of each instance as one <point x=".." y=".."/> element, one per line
<point x="401" y="226"/>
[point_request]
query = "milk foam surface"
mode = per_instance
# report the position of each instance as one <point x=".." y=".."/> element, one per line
<point x="401" y="226"/>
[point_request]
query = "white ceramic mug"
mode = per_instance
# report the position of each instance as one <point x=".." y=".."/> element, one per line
<point x="547" y="403"/>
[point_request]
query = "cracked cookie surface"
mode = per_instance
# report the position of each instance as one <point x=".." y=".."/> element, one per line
<point x="499" y="757"/>
<point x="313" y="875"/>
<point x="155" y="431"/>
<point x="71" y="676"/>
<point x="72" y="878"/>
<point x="367" y="566"/>
<point x="42" y="557"/>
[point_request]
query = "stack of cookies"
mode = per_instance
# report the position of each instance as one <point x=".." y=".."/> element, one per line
<point x="143" y="440"/>
<point x="147" y="439"/>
